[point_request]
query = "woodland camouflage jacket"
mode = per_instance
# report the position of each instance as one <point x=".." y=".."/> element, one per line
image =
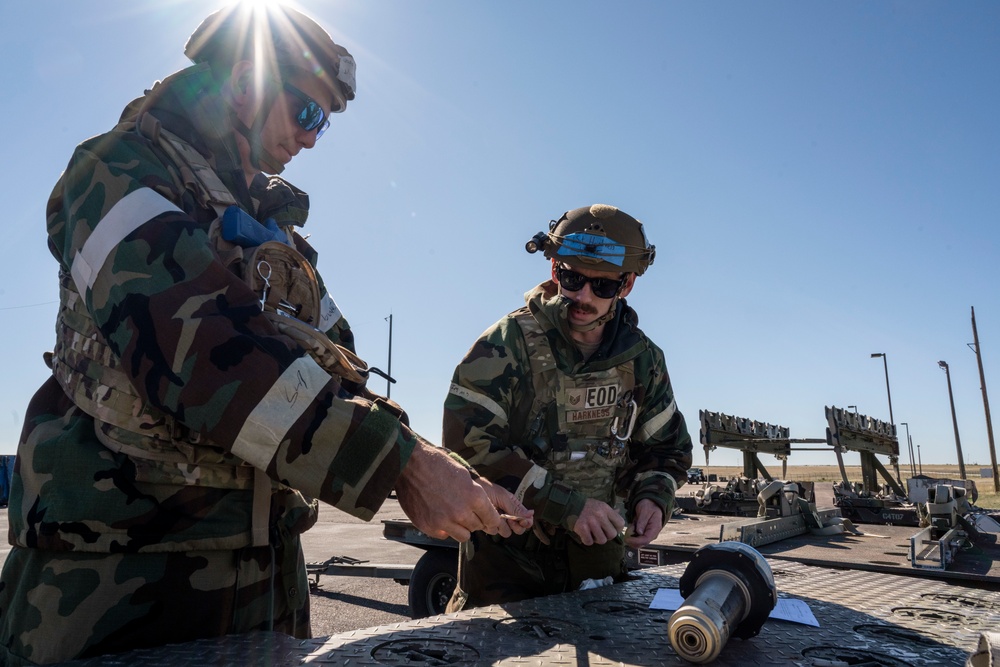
<point x="192" y="338"/>
<point x="487" y="411"/>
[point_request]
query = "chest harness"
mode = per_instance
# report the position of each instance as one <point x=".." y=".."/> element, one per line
<point x="162" y="449"/>
<point x="579" y="424"/>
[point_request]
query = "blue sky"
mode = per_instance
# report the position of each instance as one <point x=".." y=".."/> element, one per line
<point x="821" y="181"/>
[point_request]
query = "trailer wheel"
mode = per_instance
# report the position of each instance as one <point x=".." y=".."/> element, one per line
<point x="432" y="582"/>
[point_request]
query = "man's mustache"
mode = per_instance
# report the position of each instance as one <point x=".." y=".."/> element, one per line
<point x="584" y="307"/>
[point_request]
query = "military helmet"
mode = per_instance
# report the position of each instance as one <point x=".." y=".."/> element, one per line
<point x="290" y="40"/>
<point x="598" y="237"/>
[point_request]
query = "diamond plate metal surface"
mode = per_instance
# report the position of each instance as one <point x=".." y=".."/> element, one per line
<point x="865" y="617"/>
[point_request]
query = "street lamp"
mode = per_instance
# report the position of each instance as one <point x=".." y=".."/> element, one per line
<point x="954" y="420"/>
<point x="986" y="404"/>
<point x="388" y="380"/>
<point x="913" y="469"/>
<point x="892" y="422"/>
<point x="885" y="364"/>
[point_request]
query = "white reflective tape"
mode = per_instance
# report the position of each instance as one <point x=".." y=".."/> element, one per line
<point x="329" y="313"/>
<point x="533" y="478"/>
<point x="131" y="212"/>
<point x="478" y="399"/>
<point x="657" y="422"/>
<point x="284" y="403"/>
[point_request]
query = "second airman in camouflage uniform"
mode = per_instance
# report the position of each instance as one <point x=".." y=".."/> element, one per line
<point x="204" y="390"/>
<point x="568" y="404"/>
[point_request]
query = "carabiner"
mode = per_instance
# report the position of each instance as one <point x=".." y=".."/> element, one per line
<point x="261" y="266"/>
<point x="630" y="417"/>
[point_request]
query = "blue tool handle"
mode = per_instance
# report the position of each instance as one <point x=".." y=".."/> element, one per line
<point x="241" y="228"/>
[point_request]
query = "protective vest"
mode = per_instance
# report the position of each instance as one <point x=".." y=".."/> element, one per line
<point x="163" y="450"/>
<point x="579" y="424"/>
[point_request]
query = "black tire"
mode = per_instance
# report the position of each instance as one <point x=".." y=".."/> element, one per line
<point x="432" y="582"/>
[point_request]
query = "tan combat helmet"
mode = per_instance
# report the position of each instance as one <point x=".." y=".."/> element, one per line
<point x="598" y="237"/>
<point x="284" y="43"/>
<point x="286" y="40"/>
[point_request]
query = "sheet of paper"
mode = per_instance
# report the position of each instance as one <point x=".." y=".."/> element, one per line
<point x="795" y="611"/>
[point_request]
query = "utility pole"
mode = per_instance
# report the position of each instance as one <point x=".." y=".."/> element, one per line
<point x="885" y="364"/>
<point x="388" y="380"/>
<point x="954" y="420"/>
<point x="986" y="403"/>
<point x="892" y="422"/>
<point x="909" y="440"/>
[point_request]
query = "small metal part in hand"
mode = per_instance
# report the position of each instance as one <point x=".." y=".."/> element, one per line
<point x="511" y="516"/>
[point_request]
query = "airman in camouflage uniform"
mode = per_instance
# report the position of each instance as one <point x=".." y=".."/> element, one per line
<point x="204" y="389"/>
<point x="568" y="404"/>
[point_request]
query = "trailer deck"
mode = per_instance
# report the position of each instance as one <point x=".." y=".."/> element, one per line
<point x="872" y="606"/>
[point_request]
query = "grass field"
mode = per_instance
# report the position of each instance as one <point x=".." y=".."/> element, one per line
<point x="988" y="499"/>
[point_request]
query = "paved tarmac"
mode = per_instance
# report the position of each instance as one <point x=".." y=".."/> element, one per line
<point x="341" y="604"/>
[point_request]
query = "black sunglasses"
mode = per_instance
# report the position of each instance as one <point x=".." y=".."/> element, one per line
<point x="311" y="116"/>
<point x="603" y="288"/>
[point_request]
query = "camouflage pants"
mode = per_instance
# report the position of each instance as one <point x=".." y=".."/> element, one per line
<point x="58" y="606"/>
<point x="493" y="570"/>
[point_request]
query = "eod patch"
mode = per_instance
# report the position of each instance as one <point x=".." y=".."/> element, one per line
<point x="590" y="403"/>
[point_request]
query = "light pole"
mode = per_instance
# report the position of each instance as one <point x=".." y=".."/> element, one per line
<point x="986" y="405"/>
<point x="913" y="469"/>
<point x="892" y="422"/>
<point x="885" y="364"/>
<point x="954" y="421"/>
<point x="388" y="380"/>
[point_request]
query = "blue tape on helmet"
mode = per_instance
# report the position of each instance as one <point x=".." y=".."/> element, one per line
<point x="592" y="245"/>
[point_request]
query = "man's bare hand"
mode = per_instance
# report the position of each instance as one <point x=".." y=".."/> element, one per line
<point x="647" y="525"/>
<point x="518" y="517"/>
<point x="442" y="500"/>
<point x="598" y="523"/>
